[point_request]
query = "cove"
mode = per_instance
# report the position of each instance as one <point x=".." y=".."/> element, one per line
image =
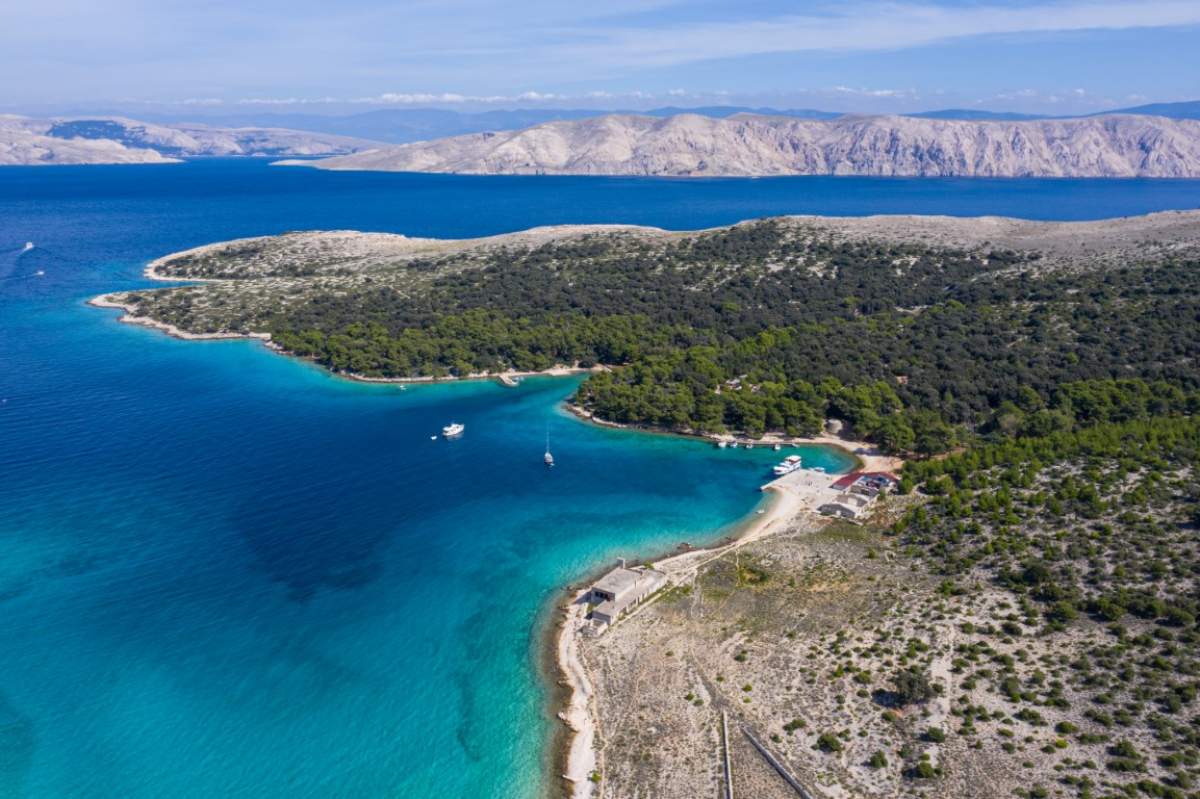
<point x="227" y="573"/>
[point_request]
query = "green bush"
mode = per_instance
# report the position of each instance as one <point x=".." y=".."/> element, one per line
<point x="828" y="742"/>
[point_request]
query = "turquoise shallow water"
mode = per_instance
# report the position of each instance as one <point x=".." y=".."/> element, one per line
<point x="225" y="573"/>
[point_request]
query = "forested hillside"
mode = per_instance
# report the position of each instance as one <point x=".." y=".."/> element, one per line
<point x="771" y="325"/>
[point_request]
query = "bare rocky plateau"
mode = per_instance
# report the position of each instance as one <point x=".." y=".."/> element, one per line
<point x="26" y="141"/>
<point x="688" y="145"/>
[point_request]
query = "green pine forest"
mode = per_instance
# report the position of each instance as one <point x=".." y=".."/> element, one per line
<point x="754" y="329"/>
<point x="763" y="326"/>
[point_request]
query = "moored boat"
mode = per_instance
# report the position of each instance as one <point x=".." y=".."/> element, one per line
<point x="788" y="465"/>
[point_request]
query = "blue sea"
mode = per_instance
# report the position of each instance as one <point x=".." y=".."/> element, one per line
<point x="226" y="573"/>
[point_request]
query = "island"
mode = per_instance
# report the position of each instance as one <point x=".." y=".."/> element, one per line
<point x="28" y="141"/>
<point x="1006" y="603"/>
<point x="691" y="145"/>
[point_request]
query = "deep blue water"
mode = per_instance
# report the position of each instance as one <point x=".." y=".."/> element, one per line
<point x="225" y="573"/>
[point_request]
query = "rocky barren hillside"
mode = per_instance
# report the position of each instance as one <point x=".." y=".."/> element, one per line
<point x="1117" y="145"/>
<point x="116" y="140"/>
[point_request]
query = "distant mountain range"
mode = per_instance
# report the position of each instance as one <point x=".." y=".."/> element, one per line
<point x="112" y="138"/>
<point x="403" y="125"/>
<point x="1185" y="110"/>
<point x="974" y="115"/>
<point x="690" y="145"/>
<point x="116" y="140"/>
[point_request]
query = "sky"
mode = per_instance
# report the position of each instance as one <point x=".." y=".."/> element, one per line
<point x="323" y="56"/>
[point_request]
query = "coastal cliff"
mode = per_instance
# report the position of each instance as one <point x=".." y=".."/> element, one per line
<point x="689" y="145"/>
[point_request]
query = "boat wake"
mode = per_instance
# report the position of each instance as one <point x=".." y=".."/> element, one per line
<point x="12" y="263"/>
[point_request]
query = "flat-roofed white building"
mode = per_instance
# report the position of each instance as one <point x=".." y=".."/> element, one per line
<point x="621" y="589"/>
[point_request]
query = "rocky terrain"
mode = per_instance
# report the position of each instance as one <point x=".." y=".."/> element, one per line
<point x="23" y="142"/>
<point x="116" y="140"/>
<point x="249" y="282"/>
<point x="1118" y="145"/>
<point x="850" y="656"/>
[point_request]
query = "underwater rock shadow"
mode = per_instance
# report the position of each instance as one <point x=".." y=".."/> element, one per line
<point x="313" y="546"/>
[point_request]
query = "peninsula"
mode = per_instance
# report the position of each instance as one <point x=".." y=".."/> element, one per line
<point x="691" y="145"/>
<point x="906" y="328"/>
<point x="26" y="141"/>
<point x="1014" y="612"/>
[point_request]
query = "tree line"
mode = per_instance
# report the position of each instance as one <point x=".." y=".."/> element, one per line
<point x="765" y="327"/>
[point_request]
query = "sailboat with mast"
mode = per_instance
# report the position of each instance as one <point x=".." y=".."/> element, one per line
<point x="548" y="459"/>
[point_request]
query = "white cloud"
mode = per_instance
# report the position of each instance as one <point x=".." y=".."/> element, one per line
<point x="489" y="51"/>
<point x="420" y="98"/>
<point x="905" y="93"/>
<point x="430" y="98"/>
<point x="877" y="26"/>
<point x="288" y="100"/>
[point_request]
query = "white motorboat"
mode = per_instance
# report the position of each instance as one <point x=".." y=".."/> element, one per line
<point x="788" y="465"/>
<point x="453" y="430"/>
<point x="548" y="459"/>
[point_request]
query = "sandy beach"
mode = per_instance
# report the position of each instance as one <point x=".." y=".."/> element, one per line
<point x="787" y="497"/>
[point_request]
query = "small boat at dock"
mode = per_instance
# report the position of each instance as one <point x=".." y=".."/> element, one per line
<point x="788" y="465"/>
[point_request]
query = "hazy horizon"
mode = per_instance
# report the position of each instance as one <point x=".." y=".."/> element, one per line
<point x="1023" y="56"/>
